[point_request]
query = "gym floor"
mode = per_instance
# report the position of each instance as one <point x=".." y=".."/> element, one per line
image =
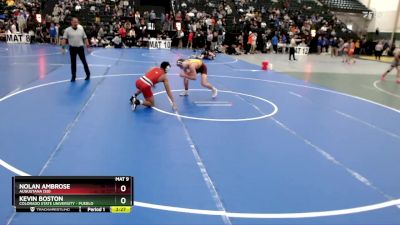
<point x="313" y="141"/>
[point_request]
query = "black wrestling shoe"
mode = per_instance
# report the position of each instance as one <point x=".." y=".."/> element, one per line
<point x="135" y="104"/>
<point x="132" y="100"/>
<point x="73" y="78"/>
<point x="87" y="77"/>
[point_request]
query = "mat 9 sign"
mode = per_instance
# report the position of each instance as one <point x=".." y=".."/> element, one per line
<point x="18" y="38"/>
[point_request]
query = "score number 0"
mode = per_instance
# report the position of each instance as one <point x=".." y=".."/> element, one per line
<point x="122" y="188"/>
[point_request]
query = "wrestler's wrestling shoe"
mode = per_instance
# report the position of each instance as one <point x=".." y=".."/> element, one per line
<point x="214" y="92"/>
<point x="184" y="93"/>
<point x="133" y="100"/>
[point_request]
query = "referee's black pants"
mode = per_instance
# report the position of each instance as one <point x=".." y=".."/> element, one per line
<point x="291" y="53"/>
<point x="73" y="51"/>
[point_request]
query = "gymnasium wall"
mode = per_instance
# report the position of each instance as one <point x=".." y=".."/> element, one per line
<point x="384" y="18"/>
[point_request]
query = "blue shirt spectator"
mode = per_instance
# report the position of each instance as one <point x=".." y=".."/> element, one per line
<point x="284" y="39"/>
<point x="275" y="40"/>
<point x="319" y="43"/>
<point x="53" y="31"/>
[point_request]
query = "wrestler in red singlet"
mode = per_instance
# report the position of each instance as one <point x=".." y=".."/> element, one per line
<point x="145" y="83"/>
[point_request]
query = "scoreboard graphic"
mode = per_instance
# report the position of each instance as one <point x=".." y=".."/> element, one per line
<point x="94" y="194"/>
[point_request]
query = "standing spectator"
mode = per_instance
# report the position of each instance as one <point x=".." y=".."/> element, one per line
<point x="325" y="44"/>
<point x="180" y="34"/>
<point x="345" y="51"/>
<point x="52" y="34"/>
<point x="13" y="28"/>
<point x="21" y="19"/>
<point x="122" y="33"/>
<point x="341" y="46"/>
<point x="253" y="43"/>
<point x="209" y="40"/>
<point x="152" y="16"/>
<point x="214" y="41"/>
<point x="352" y="48"/>
<point x="137" y="18"/>
<point x="57" y="27"/>
<point x="319" y="44"/>
<point x="190" y="40"/>
<point x="363" y="47"/>
<point x="334" y="47"/>
<point x="378" y="50"/>
<point x="221" y="36"/>
<point x="292" y="46"/>
<point x="77" y="39"/>
<point x="274" y="43"/>
<point x="357" y="47"/>
<point x="284" y="41"/>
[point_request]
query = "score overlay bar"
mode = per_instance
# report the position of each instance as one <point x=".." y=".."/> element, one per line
<point x="72" y="194"/>
<point x="103" y="209"/>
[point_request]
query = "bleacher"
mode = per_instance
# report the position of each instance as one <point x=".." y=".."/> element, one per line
<point x="354" y="6"/>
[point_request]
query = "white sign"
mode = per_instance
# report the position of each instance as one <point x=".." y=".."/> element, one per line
<point x="302" y="50"/>
<point x="159" y="44"/>
<point x="18" y="38"/>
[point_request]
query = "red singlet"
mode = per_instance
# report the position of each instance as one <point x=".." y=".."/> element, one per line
<point x="145" y="83"/>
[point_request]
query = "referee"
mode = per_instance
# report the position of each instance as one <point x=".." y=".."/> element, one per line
<point x="75" y="34"/>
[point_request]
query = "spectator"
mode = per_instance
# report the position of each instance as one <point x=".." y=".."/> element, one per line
<point x="190" y="40"/>
<point x="179" y="35"/>
<point x="319" y="44"/>
<point x="13" y="28"/>
<point x="378" y="50"/>
<point x="122" y="33"/>
<point x="152" y="16"/>
<point x="253" y="42"/>
<point x="117" y="41"/>
<point x="53" y="33"/>
<point x="334" y="47"/>
<point x="274" y="42"/>
<point x="21" y="19"/>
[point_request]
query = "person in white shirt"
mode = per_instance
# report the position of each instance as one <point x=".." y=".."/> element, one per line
<point x="77" y="39"/>
<point x="13" y="28"/>
<point x="292" y="47"/>
<point x="21" y="22"/>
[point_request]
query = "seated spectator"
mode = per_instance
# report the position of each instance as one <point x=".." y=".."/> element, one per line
<point x="94" y="42"/>
<point x="117" y="41"/>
